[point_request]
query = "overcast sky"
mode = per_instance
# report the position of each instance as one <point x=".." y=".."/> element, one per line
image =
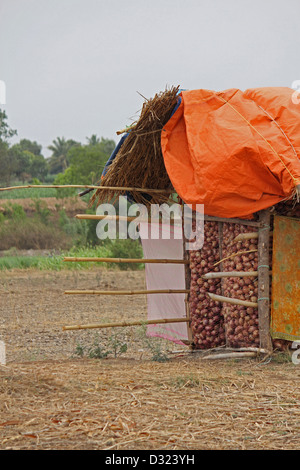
<point x="73" y="68"/>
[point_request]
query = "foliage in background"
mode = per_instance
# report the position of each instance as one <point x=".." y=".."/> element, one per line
<point x="86" y="162"/>
<point x="70" y="162"/>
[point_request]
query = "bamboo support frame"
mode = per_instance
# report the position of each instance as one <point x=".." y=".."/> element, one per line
<point x="221" y="298"/>
<point x="127" y="292"/>
<point x="125" y="323"/>
<point x="126" y="260"/>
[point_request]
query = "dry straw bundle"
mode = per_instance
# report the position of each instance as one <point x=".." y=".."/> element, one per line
<point x="139" y="162"/>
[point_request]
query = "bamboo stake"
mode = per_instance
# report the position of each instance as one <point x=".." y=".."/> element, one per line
<point x="113" y="188"/>
<point x="123" y="324"/>
<point x="126" y="260"/>
<point x="228" y="349"/>
<point x="247" y="236"/>
<point x="264" y="280"/>
<point x="127" y="292"/>
<point x="232" y="355"/>
<point x="221" y="298"/>
<point x="238" y="253"/>
<point x="232" y="221"/>
<point x="230" y="274"/>
<point x="126" y="218"/>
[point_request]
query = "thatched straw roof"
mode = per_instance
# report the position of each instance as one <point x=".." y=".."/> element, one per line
<point x="139" y="163"/>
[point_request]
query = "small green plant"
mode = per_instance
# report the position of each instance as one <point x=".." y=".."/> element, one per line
<point x="117" y="345"/>
<point x="186" y="381"/>
<point x="41" y="211"/>
<point x="79" y="351"/>
<point x="153" y="345"/>
<point x="282" y="357"/>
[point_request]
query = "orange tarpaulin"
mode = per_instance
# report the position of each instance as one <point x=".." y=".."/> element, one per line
<point x="235" y="152"/>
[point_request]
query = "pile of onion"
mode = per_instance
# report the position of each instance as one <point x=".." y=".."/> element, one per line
<point x="241" y="323"/>
<point x="206" y="317"/>
<point x="214" y="323"/>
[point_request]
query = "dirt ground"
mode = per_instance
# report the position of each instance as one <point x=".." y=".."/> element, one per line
<point x="51" y="398"/>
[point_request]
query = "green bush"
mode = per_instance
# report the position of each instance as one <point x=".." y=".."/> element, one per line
<point x="31" y="233"/>
<point x="14" y="211"/>
<point x="127" y="248"/>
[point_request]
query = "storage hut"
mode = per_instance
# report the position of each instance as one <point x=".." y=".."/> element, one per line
<point x="237" y="154"/>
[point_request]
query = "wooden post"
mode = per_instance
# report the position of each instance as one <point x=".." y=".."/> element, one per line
<point x="187" y="275"/>
<point x="264" y="280"/>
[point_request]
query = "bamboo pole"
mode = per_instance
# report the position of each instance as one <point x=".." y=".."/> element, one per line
<point x="231" y="355"/>
<point x="230" y="274"/>
<point x="247" y="236"/>
<point x="112" y="188"/>
<point x="238" y="253"/>
<point x="126" y="218"/>
<point x="123" y="324"/>
<point x="127" y="292"/>
<point x="126" y="260"/>
<point x="221" y="298"/>
<point x="251" y="223"/>
<point x="226" y="349"/>
<point x="264" y="280"/>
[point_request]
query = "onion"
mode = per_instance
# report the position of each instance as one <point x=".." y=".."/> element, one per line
<point x="214" y="323"/>
<point x="206" y="317"/>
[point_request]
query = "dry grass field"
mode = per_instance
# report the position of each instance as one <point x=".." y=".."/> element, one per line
<point x="52" y="398"/>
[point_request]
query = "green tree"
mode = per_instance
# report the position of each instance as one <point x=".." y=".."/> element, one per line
<point x="5" y="131"/>
<point x="59" y="162"/>
<point x="93" y="140"/>
<point x="31" y="146"/>
<point x="19" y="162"/>
<point x="38" y="167"/>
<point x="86" y="163"/>
<point x="7" y="164"/>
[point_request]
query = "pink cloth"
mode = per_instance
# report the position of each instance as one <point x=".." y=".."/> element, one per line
<point x="165" y="276"/>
